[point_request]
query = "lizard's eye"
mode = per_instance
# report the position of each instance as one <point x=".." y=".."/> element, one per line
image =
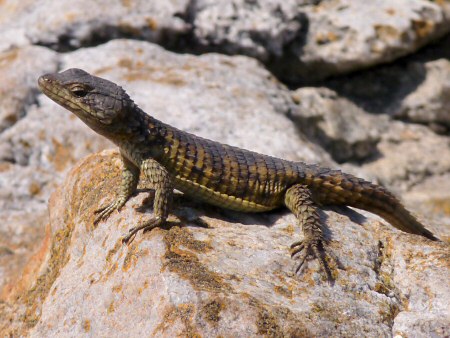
<point x="79" y="91"/>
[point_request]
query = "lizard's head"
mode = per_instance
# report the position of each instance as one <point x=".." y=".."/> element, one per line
<point x="98" y="102"/>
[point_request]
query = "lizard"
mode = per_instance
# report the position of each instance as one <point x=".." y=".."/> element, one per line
<point x="216" y="173"/>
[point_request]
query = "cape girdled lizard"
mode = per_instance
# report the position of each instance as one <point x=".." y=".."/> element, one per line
<point x="215" y="173"/>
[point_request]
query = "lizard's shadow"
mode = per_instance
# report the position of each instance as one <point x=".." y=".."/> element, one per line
<point x="190" y="211"/>
<point x="269" y="218"/>
<point x="352" y="214"/>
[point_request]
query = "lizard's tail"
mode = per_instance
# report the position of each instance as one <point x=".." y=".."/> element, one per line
<point x="335" y="187"/>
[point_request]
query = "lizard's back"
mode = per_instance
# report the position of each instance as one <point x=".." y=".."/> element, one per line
<point x="243" y="180"/>
<point x="224" y="175"/>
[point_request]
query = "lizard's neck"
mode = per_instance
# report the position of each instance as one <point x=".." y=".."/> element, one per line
<point x="142" y="137"/>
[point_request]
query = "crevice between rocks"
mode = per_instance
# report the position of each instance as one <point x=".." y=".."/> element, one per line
<point x="385" y="283"/>
<point x="67" y="41"/>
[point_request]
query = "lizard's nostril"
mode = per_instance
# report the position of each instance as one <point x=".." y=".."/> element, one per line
<point x="42" y="79"/>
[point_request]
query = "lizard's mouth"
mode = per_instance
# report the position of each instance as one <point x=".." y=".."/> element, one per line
<point x="55" y="91"/>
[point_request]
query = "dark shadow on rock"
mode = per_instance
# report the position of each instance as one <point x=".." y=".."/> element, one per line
<point x="190" y="210"/>
<point x="382" y="88"/>
<point x="282" y="66"/>
<point x="352" y="214"/>
<point x="267" y="218"/>
<point x="340" y="150"/>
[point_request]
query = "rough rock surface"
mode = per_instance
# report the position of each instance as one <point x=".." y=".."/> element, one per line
<point x="43" y="144"/>
<point x="65" y="25"/>
<point x="262" y="29"/>
<point x="310" y="40"/>
<point x="188" y="280"/>
<point x="398" y="155"/>
<point x="19" y="88"/>
<point x="414" y="89"/>
<point x="301" y="40"/>
<point x="430" y="102"/>
<point x="341" y="127"/>
<point x="23" y="198"/>
<point x="407" y="154"/>
<point x="346" y="35"/>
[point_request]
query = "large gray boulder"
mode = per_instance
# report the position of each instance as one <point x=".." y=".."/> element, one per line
<point x="232" y="278"/>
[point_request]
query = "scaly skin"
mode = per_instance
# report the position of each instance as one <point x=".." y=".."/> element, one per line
<point x="218" y="174"/>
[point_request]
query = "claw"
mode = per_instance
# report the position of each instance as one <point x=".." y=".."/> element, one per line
<point x="104" y="212"/>
<point x="295" y="251"/>
<point x="147" y="226"/>
<point x="128" y="238"/>
<point x="296" y="244"/>
<point x="302" y="261"/>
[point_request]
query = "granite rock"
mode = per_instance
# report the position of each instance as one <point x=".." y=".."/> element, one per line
<point x="346" y="131"/>
<point x="187" y="280"/>
<point x="301" y="41"/>
<point x="304" y="41"/>
<point x="66" y="25"/>
<point x="430" y="102"/>
<point x="236" y="101"/>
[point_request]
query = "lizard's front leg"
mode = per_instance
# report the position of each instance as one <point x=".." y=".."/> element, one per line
<point x="298" y="199"/>
<point x="160" y="180"/>
<point x="130" y="178"/>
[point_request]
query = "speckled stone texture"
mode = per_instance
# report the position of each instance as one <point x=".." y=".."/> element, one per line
<point x="186" y="279"/>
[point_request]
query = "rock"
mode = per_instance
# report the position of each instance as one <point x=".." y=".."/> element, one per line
<point x="407" y="155"/>
<point x="301" y="41"/>
<point x="431" y="197"/>
<point x="413" y="90"/>
<point x="69" y="25"/>
<point x="309" y="40"/>
<point x="236" y="101"/>
<point x="430" y="102"/>
<point x="348" y="35"/>
<point x="232" y="278"/>
<point x="417" y="321"/>
<point x="396" y="154"/>
<point x="19" y="68"/>
<point x="338" y="125"/>
<point x="23" y="190"/>
<point x="261" y="29"/>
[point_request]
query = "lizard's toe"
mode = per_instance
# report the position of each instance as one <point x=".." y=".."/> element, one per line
<point x="104" y="212"/>
<point x="146" y="226"/>
<point x="301" y="250"/>
<point x="297" y="248"/>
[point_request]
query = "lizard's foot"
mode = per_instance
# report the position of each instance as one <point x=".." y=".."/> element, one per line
<point x="104" y="212"/>
<point x="314" y="248"/>
<point x="147" y="226"/>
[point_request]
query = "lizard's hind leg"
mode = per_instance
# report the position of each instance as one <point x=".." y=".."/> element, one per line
<point x="298" y="199"/>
